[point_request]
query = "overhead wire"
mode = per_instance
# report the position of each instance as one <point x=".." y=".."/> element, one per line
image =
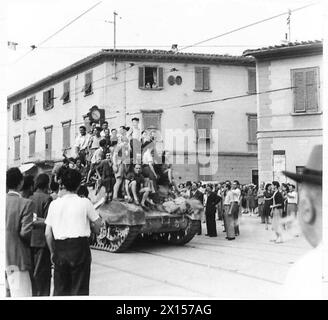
<point x="220" y="35"/>
<point x="58" y="31"/>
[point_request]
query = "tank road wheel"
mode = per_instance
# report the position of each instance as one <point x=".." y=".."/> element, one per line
<point x="183" y="236"/>
<point x="115" y="238"/>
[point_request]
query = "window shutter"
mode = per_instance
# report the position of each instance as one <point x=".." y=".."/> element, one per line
<point x="17" y="148"/>
<point x="51" y="98"/>
<point x="160" y="77"/>
<point x="141" y="77"/>
<point x="299" y="91"/>
<point x="48" y="143"/>
<point x="311" y="90"/>
<point x="66" y="135"/>
<point x="14" y="107"/>
<point x="198" y="78"/>
<point x="251" y="81"/>
<point x="151" y="120"/>
<point x="45" y="100"/>
<point x="252" y="128"/>
<point x="32" y="144"/>
<point x="206" y="77"/>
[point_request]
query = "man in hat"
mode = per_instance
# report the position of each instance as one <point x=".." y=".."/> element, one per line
<point x="304" y="280"/>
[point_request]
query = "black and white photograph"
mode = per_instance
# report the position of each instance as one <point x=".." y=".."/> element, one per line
<point x="163" y="150"/>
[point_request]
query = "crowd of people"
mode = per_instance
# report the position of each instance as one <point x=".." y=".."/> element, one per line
<point x="126" y="162"/>
<point x="274" y="203"/>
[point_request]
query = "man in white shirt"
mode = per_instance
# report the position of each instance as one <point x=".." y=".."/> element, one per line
<point x="104" y="128"/>
<point x="235" y="204"/>
<point x="305" y="278"/>
<point x="81" y="144"/>
<point x="134" y="135"/>
<point x="67" y="231"/>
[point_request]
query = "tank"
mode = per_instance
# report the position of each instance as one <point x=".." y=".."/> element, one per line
<point x="174" y="222"/>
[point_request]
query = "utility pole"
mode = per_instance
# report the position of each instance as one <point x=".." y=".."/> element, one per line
<point x="115" y="14"/>
<point x="288" y="23"/>
<point x="114" y="49"/>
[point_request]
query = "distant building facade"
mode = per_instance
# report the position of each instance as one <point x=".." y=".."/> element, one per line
<point x="289" y="106"/>
<point x="207" y="97"/>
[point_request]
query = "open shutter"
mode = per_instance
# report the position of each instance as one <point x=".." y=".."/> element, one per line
<point x="311" y="90"/>
<point x="198" y="78"/>
<point x="206" y="78"/>
<point x="45" y="99"/>
<point x="251" y="81"/>
<point x="141" y="77"/>
<point x="52" y="95"/>
<point x="299" y="91"/>
<point x="160" y="77"/>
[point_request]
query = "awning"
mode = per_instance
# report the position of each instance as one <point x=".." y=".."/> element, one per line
<point x="25" y="167"/>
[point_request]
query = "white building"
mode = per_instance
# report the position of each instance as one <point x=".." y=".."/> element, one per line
<point x="289" y="106"/>
<point x="167" y="90"/>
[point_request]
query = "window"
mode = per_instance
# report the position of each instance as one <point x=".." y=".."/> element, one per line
<point x="48" y="142"/>
<point x="66" y="135"/>
<point x="203" y="126"/>
<point x="48" y="99"/>
<point x="252" y="129"/>
<point x="88" y="83"/>
<point x="151" y="119"/>
<point x="66" y="93"/>
<point x="31" y="137"/>
<point x="305" y="84"/>
<point x="17" y="148"/>
<point x="252" y="80"/>
<point x="17" y="111"/>
<point x="150" y="77"/>
<point x="31" y="106"/>
<point x="202" y="79"/>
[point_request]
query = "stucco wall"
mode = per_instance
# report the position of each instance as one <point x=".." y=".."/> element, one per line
<point x="278" y="128"/>
<point x="122" y="94"/>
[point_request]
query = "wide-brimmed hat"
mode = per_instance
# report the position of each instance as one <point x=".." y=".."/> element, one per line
<point x="312" y="173"/>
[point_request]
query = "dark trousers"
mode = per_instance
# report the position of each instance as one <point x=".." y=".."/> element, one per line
<point x="41" y="273"/>
<point x="72" y="258"/>
<point x="235" y="214"/>
<point x="210" y="223"/>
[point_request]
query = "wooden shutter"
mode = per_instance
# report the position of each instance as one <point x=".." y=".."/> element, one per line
<point x="31" y="106"/>
<point x="151" y="120"/>
<point x="48" y="142"/>
<point x="141" y="77"/>
<point x="252" y="128"/>
<point x="51" y="98"/>
<point x="17" y="111"/>
<point x="45" y="99"/>
<point x="66" y="135"/>
<point x="206" y="78"/>
<point x="198" y="78"/>
<point x="66" y="93"/>
<point x="299" y="91"/>
<point x="160" y="78"/>
<point x="32" y="144"/>
<point x="17" y="148"/>
<point x="251" y="81"/>
<point x="311" y="89"/>
<point x="88" y="83"/>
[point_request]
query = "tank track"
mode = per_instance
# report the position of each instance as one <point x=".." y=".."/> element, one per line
<point x="120" y="243"/>
<point x="180" y="237"/>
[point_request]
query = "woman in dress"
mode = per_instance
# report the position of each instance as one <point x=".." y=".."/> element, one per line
<point x="268" y="201"/>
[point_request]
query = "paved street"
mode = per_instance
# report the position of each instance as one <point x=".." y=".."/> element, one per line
<point x="250" y="267"/>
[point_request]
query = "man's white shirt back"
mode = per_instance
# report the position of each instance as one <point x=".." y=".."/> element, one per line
<point x="70" y="216"/>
